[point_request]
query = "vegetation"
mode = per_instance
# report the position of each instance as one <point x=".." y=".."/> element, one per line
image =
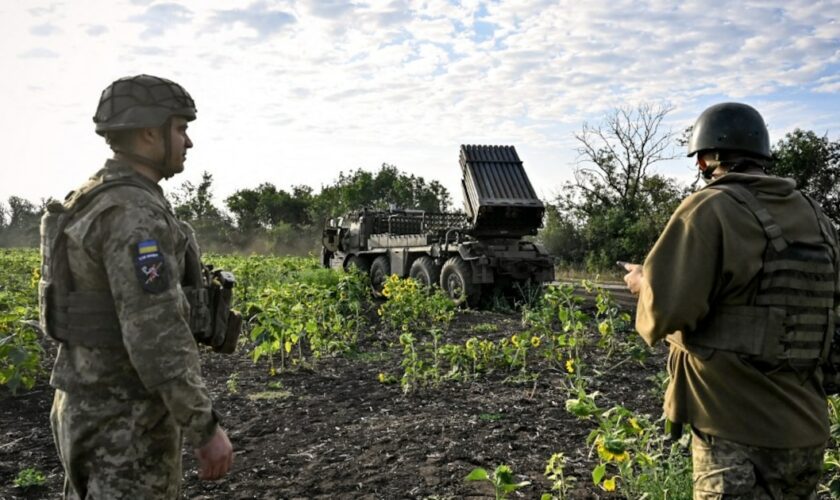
<point x="617" y="205"/>
<point x="20" y="351"/>
<point x="814" y="163"/>
<point x="502" y="480"/>
<point x="299" y="313"/>
<point x="28" y="478"/>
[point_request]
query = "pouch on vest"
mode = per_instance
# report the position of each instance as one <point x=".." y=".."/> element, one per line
<point x="210" y="295"/>
<point x="50" y="223"/>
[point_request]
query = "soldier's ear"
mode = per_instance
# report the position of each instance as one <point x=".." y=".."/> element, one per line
<point x="149" y="136"/>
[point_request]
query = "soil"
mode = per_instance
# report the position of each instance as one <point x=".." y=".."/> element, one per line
<point x="334" y="431"/>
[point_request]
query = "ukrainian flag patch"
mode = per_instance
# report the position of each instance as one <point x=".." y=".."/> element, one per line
<point x="149" y="266"/>
<point x="147" y="247"/>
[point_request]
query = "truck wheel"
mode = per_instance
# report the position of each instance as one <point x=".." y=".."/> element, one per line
<point x="360" y="263"/>
<point x="424" y="270"/>
<point x="456" y="281"/>
<point x="379" y="272"/>
<point x="326" y="255"/>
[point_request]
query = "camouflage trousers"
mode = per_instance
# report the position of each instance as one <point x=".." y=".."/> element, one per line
<point x="727" y="470"/>
<point x="116" y="449"/>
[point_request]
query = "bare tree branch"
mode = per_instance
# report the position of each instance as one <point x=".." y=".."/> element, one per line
<point x="622" y="150"/>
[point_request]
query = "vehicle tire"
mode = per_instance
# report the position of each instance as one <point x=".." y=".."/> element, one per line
<point x="379" y="272"/>
<point x="326" y="255"/>
<point x="356" y="260"/>
<point x="456" y="281"/>
<point x="424" y="270"/>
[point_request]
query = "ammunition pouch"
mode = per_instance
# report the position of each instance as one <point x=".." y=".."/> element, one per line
<point x="212" y="321"/>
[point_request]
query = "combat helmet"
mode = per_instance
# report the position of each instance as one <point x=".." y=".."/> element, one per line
<point x="730" y="126"/>
<point x="141" y="101"/>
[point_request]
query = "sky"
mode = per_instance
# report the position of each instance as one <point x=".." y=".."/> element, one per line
<point x="293" y="92"/>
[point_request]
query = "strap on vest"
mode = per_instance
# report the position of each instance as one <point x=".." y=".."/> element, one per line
<point x="745" y="197"/>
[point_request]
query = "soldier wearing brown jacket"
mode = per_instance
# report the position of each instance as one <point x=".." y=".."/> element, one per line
<point x="742" y="284"/>
<point x="127" y="374"/>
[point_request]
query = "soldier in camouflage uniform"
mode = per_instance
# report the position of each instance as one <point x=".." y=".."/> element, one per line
<point x="127" y="374"/>
<point x="742" y="284"/>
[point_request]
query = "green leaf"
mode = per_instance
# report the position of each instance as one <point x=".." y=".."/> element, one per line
<point x="17" y="355"/>
<point x="503" y="474"/>
<point x="478" y="474"/>
<point x="598" y="473"/>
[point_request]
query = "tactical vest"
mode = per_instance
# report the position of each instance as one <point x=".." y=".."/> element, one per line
<point x="791" y="323"/>
<point x="89" y="318"/>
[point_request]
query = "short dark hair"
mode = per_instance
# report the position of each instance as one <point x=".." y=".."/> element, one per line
<point x="120" y="139"/>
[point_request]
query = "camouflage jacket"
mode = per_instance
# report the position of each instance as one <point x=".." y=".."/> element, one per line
<point x="158" y="359"/>
<point x="710" y="253"/>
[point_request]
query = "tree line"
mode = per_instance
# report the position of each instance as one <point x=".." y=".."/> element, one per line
<point x="264" y="219"/>
<point x="613" y="209"/>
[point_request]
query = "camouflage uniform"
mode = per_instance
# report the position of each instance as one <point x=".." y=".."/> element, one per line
<point x="726" y="469"/>
<point x="120" y="408"/>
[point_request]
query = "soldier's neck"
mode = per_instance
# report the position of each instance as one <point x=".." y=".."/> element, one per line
<point x="145" y="170"/>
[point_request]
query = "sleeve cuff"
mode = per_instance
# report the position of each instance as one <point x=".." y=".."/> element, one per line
<point x="203" y="429"/>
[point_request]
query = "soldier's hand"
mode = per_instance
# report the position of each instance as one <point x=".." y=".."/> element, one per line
<point x="634" y="277"/>
<point x="215" y="457"/>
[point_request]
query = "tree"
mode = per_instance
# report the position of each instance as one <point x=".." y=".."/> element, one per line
<point x="23" y="213"/>
<point x="4" y="215"/>
<point x="266" y="207"/>
<point x="22" y="222"/>
<point x="195" y="202"/>
<point x="616" y="202"/>
<point x="387" y="187"/>
<point x="814" y="163"/>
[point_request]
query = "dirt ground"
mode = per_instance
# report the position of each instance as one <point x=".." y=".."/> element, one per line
<point x="335" y="431"/>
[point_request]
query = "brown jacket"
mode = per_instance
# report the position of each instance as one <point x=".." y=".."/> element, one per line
<point x="711" y="253"/>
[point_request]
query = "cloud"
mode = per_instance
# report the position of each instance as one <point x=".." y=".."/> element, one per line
<point x="385" y="77"/>
<point x="96" y="30"/>
<point x="150" y="51"/>
<point x="330" y="9"/>
<point x="161" y="17"/>
<point x="46" y="29"/>
<point x="38" y="53"/>
<point x="397" y="12"/>
<point x="828" y="84"/>
<point x="257" y="16"/>
<point x="42" y="11"/>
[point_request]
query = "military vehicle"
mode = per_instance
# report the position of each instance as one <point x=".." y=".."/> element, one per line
<point x="466" y="253"/>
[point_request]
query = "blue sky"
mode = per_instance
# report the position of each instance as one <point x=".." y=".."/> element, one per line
<point x="292" y="92"/>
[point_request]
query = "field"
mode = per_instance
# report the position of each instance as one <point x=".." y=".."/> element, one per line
<point x="334" y="395"/>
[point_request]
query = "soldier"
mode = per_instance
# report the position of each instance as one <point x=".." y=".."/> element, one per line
<point x="117" y="292"/>
<point x="742" y="284"/>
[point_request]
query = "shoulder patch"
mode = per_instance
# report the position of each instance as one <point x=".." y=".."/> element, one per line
<point x="150" y="267"/>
